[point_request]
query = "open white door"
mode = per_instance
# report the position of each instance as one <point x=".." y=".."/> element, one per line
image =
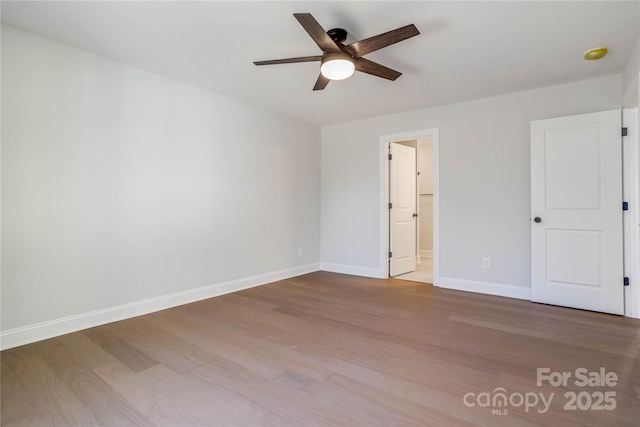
<point x="402" y="212"/>
<point x="576" y="212"/>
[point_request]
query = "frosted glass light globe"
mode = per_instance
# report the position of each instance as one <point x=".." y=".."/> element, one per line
<point x="337" y="67"/>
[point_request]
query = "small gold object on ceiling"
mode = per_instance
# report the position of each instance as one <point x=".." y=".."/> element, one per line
<point x="595" y="53"/>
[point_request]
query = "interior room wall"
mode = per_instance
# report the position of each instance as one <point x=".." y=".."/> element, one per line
<point x="483" y="175"/>
<point x="124" y="191"/>
<point x="631" y="79"/>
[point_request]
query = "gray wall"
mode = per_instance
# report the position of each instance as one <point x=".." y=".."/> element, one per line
<point x="484" y="180"/>
<point x="631" y="78"/>
<point x="119" y="185"/>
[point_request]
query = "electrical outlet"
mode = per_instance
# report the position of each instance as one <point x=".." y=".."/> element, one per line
<point x="486" y="263"/>
<point x="300" y="251"/>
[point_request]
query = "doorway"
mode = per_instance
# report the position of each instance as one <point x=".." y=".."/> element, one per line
<point x="427" y="199"/>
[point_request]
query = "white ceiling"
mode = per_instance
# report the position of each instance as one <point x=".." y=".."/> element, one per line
<point x="466" y="50"/>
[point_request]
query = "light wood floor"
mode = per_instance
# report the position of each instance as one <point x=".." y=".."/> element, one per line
<point x="330" y="350"/>
<point x="423" y="272"/>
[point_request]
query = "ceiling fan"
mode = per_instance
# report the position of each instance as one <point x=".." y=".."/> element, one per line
<point x="339" y="61"/>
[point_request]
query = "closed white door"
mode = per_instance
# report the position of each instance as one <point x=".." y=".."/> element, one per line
<point x="576" y="212"/>
<point x="402" y="212"/>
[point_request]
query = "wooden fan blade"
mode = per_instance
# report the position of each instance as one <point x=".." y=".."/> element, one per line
<point x="290" y="60"/>
<point x="321" y="83"/>
<point x="317" y="33"/>
<point x="374" y="43"/>
<point x="375" y="69"/>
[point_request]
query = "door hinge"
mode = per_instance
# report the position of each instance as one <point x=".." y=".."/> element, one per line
<point x="625" y="206"/>
<point x="624" y="131"/>
<point x="626" y="281"/>
<point x="390" y="253"/>
<point x="390" y="156"/>
<point x="390" y="205"/>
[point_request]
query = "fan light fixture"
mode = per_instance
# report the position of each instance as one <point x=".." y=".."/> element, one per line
<point x="338" y="61"/>
<point x="337" y="66"/>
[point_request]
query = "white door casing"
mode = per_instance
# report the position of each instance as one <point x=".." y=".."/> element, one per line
<point x="576" y="212"/>
<point x="631" y="218"/>
<point x="402" y="218"/>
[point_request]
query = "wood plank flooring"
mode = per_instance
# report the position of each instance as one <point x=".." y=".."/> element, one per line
<point x="326" y="349"/>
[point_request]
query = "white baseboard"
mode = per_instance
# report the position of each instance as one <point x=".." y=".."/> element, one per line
<point x="40" y="331"/>
<point x="425" y="253"/>
<point x="351" y="269"/>
<point x="498" y="289"/>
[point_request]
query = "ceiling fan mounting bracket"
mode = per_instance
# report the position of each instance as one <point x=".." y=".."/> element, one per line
<point x="338" y="35"/>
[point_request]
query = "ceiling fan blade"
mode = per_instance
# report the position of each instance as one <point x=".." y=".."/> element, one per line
<point x="375" y="69"/>
<point x="290" y="60"/>
<point x="317" y="33"/>
<point x="374" y="43"/>
<point x="321" y="83"/>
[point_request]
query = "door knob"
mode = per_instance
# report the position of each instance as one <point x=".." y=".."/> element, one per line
<point x="537" y="219"/>
<point x="415" y="215"/>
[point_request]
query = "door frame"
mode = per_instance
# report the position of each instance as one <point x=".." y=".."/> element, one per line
<point x="631" y="218"/>
<point x="383" y="150"/>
